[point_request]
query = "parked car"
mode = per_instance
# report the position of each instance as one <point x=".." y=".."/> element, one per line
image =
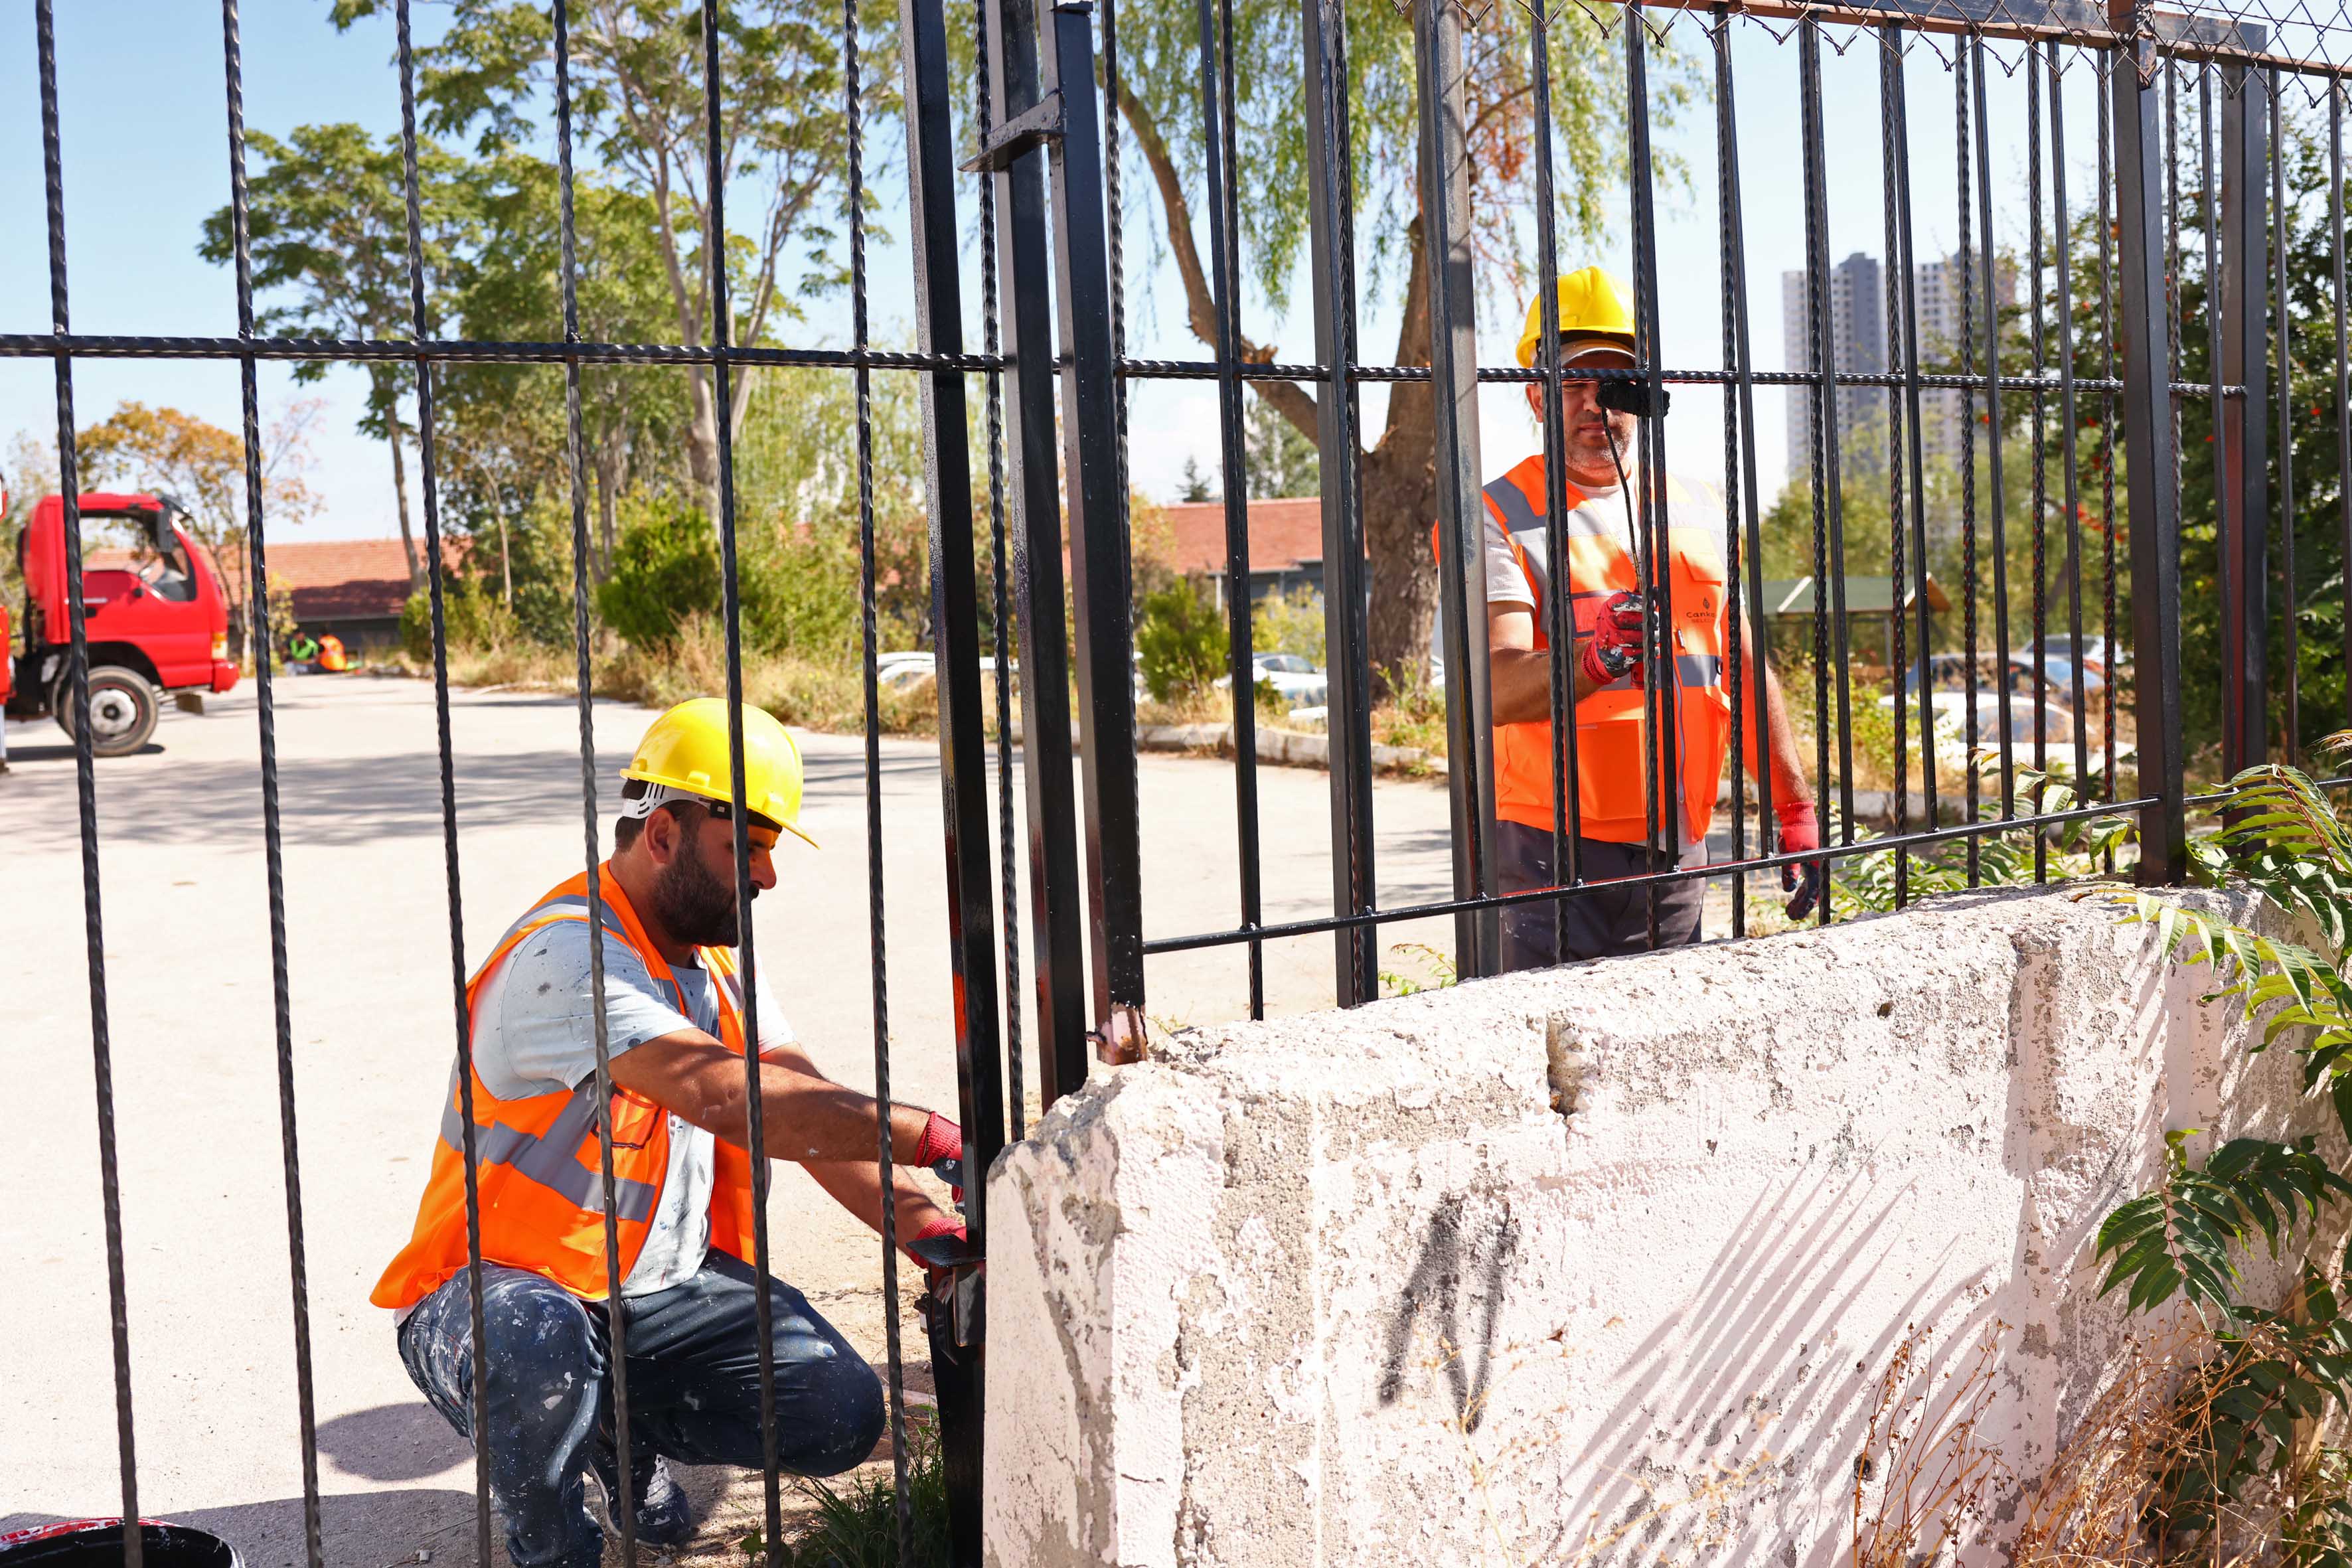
<point x="1293" y="678"/>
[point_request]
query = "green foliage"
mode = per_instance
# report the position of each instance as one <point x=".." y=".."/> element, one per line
<point x="471" y="618"/>
<point x="2279" y="834"/>
<point x="1438" y="965"/>
<point x="1194" y="487"/>
<point x="2086" y="847"/>
<point x="1289" y="623"/>
<point x="859" y="1528"/>
<point x="666" y="568"/>
<point x="1276" y="457"/>
<point x="1180" y="640"/>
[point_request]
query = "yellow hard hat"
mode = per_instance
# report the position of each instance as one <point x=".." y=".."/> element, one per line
<point x="1592" y="305"/>
<point x="686" y="749"/>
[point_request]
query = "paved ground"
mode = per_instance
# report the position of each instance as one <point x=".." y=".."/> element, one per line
<point x="189" y="984"/>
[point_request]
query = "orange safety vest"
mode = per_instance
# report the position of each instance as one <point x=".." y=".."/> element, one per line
<point x="540" y="1171"/>
<point x="1611" y="801"/>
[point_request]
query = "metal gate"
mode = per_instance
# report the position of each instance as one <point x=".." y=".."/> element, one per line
<point x="1056" y="376"/>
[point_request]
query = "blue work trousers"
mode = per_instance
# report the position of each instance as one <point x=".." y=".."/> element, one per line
<point x="693" y="1386"/>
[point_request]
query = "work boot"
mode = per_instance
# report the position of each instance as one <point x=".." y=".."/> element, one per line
<point x="665" y="1517"/>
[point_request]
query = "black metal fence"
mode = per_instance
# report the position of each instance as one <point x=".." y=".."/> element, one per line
<point x="2101" y="375"/>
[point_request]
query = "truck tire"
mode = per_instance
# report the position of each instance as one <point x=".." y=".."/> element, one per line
<point x="122" y="709"/>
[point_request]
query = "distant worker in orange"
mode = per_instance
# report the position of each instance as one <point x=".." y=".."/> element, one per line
<point x="332" y="655"/>
<point x="1610" y="792"/>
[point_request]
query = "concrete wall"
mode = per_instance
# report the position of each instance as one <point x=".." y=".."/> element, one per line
<point x="1602" y="1265"/>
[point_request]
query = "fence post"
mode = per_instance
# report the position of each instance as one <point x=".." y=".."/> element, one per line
<point x="2154" y="505"/>
<point x="2241" y="469"/>
<point x="1445" y="172"/>
<point x="1346" y="602"/>
<point x="1098" y="548"/>
<point x="1032" y="489"/>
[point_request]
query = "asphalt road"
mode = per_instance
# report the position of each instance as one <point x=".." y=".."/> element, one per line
<point x="367" y="902"/>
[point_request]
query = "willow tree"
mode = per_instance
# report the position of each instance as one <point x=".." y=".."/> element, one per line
<point x="1160" y="103"/>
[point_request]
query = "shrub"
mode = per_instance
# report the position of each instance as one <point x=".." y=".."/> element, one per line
<point x="471" y="616"/>
<point x="665" y="568"/>
<point x="1289" y="623"/>
<point x="1181" y="639"/>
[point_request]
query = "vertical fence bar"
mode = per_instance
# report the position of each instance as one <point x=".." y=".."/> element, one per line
<point x="437" y="588"/>
<point x="2240" y="480"/>
<point x="1056" y="896"/>
<point x="1829" y="503"/>
<point x="1902" y="424"/>
<point x="1098" y="544"/>
<point x="1661" y="674"/>
<point x="999" y="586"/>
<point x="2150" y="492"/>
<point x="2039" y="497"/>
<point x="1994" y="418"/>
<point x="272" y="815"/>
<point x="1917" y="455"/>
<point x="2063" y="229"/>
<point x="102" y="1042"/>
<point x="1965" y="57"/>
<point x="2343" y="384"/>
<point x="1346" y="585"/>
<point x="723" y="318"/>
<point x="1217" y="148"/>
<point x="2109" y="682"/>
<point x="623" y="1507"/>
<point x="1445" y="178"/>
<point x="1746" y="680"/>
<point x="2291" y="741"/>
<point x="963" y="766"/>
<point x="1561" y="635"/>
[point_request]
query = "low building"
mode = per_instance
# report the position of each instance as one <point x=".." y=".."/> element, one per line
<point x="1285" y="537"/>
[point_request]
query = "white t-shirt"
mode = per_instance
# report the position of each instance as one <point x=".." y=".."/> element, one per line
<point x="534" y="1033"/>
<point x="1506" y="584"/>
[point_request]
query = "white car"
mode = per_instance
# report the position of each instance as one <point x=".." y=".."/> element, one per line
<point x="1293" y="678"/>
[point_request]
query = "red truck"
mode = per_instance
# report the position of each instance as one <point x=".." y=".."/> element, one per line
<point x="157" y="624"/>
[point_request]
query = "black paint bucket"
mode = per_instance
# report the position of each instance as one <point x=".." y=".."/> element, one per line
<point x="97" y="1543"/>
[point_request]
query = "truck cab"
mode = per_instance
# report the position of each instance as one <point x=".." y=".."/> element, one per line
<point x="158" y="624"/>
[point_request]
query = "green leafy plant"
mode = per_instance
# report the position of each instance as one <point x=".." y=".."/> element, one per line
<point x="2274" y="1371"/>
<point x="2083" y="846"/>
<point x="1179" y="641"/>
<point x="857" y="1526"/>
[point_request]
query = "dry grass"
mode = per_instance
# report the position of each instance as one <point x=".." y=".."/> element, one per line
<point x="1923" y="1457"/>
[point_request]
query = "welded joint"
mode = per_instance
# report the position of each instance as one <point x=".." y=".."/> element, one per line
<point x="1033" y="128"/>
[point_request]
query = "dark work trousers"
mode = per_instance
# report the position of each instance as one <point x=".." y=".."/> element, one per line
<point x="694" y="1389"/>
<point x="1600" y="924"/>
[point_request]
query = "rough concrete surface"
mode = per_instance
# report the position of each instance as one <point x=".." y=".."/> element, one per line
<point x="1602" y="1265"/>
<point x="187" y="964"/>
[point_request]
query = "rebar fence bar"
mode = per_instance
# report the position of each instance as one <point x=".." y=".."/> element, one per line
<point x="2202" y="118"/>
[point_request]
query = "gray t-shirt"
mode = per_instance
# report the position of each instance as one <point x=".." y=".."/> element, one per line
<point x="535" y="1033"/>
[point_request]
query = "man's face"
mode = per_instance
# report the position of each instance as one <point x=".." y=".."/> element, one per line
<point x="694" y="894"/>
<point x="1586" y="427"/>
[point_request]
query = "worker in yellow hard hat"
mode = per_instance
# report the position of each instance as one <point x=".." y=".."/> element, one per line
<point x="1608" y="578"/>
<point x="673" y="1026"/>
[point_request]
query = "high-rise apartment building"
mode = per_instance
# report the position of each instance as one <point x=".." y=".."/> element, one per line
<point x="1857" y="306"/>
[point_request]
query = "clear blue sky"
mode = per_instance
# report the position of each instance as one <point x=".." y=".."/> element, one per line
<point x="144" y="134"/>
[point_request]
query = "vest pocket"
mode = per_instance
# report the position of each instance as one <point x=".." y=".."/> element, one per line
<point x="634" y="1120"/>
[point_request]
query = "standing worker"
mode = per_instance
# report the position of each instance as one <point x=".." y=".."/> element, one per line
<point x="682" y="1179"/>
<point x="1611" y="792"/>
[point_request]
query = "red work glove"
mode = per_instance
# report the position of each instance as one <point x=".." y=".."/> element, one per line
<point x="941" y="1148"/>
<point x="1613" y="651"/>
<point x="1801" y="830"/>
<point x="949" y="1241"/>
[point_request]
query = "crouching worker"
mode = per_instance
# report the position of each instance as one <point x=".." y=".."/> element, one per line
<point x="682" y="1178"/>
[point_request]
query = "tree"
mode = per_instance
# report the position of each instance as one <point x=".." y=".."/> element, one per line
<point x="1279" y="459"/>
<point x="1194" y="487"/>
<point x="638" y="90"/>
<point x="201" y="467"/>
<point x="1160" y="101"/>
<point x="330" y="228"/>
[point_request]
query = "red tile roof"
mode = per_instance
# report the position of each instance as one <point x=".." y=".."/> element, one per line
<point x="1189" y="536"/>
<point x="330" y="579"/>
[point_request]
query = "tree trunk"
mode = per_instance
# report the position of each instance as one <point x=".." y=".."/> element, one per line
<point x="400" y="502"/>
<point x="702" y="443"/>
<point x="608" y="506"/>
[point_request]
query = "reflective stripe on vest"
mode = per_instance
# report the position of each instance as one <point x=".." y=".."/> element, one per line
<point x="1611" y="725"/>
<point x="539" y="1157"/>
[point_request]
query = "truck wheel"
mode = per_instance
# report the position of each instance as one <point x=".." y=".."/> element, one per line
<point x="122" y="709"/>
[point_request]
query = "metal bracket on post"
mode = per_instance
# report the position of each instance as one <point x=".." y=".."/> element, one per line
<point x="1461" y="507"/>
<point x="1034" y="127"/>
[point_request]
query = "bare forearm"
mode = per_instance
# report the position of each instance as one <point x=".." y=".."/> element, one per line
<point x="1779" y="737"/>
<point x="1520" y="685"/>
<point x="804" y="1116"/>
<point x="857" y="1187"/>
